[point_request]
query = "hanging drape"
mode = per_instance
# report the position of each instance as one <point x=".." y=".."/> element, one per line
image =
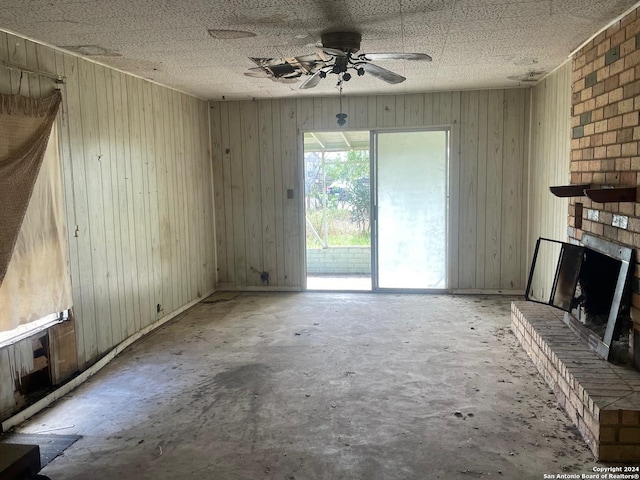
<point x="34" y="276"/>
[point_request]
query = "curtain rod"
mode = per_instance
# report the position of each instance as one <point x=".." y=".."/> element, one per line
<point x="12" y="66"/>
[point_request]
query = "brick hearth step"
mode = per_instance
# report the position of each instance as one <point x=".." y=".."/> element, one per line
<point x="602" y="399"/>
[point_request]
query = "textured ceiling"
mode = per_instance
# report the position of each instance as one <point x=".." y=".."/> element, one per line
<point x="474" y="43"/>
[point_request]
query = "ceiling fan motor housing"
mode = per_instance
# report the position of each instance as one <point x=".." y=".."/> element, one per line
<point x="348" y="42"/>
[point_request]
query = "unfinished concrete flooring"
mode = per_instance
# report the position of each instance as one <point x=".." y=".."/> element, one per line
<point x="320" y="386"/>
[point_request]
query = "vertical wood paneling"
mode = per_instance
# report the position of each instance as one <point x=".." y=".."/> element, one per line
<point x="138" y="192"/>
<point x="358" y="112"/>
<point x="279" y="190"/>
<point x="237" y="193"/>
<point x="290" y="181"/>
<point x="173" y="165"/>
<point x="31" y="60"/>
<point x="267" y="184"/>
<point x="427" y="110"/>
<point x="386" y="111"/>
<point x="218" y="191"/>
<point x="318" y="113"/>
<point x="17" y="52"/>
<point x="476" y="164"/>
<point x="414" y="110"/>
<point x="372" y="109"/>
<point x="163" y="254"/>
<point x="114" y="240"/>
<point x="105" y="330"/>
<point x="96" y="257"/>
<point x="190" y="287"/>
<point x="511" y="275"/>
<point x="305" y="114"/>
<point x="252" y="192"/>
<point x="481" y="202"/>
<point x="493" y="208"/>
<point x="137" y="213"/>
<point x="400" y="110"/>
<point x="524" y="214"/>
<point x="5" y="73"/>
<point x="230" y="209"/>
<point x="209" y="227"/>
<point x="76" y="194"/>
<point x="47" y="63"/>
<point x="128" y="222"/>
<point x="331" y="106"/>
<point x="467" y="226"/>
<point x="549" y="158"/>
<point x="154" y="153"/>
<point x="182" y="253"/>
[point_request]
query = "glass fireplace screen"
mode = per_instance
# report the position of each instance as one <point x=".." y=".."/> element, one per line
<point x="586" y="281"/>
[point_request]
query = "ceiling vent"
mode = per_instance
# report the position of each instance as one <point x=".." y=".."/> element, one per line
<point x="531" y="78"/>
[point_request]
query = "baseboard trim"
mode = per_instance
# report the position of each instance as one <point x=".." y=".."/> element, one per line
<point x="473" y="291"/>
<point x="227" y="288"/>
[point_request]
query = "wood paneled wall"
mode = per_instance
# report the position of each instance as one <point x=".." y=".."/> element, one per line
<point x="549" y="157"/>
<point x="257" y="158"/>
<point x="138" y="192"/>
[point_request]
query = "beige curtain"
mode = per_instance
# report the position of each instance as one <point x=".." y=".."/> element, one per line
<point x="25" y="125"/>
<point x="34" y="272"/>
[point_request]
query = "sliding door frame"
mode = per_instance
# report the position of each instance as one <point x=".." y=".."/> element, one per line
<point x="373" y="157"/>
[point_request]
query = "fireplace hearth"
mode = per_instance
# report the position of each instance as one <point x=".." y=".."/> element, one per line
<point x="579" y="339"/>
<point x="590" y="283"/>
<point x="601" y="398"/>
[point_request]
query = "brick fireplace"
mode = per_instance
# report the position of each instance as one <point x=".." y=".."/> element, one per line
<point x="605" y="134"/>
<point x="602" y="399"/>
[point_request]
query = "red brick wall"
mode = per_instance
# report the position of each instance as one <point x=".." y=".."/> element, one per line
<point x="606" y="132"/>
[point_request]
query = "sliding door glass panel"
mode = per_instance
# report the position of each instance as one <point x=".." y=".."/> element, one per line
<point x="412" y="209"/>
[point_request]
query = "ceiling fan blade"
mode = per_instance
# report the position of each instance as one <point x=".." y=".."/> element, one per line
<point x="382" y="73"/>
<point x="395" y="56"/>
<point x="310" y="58"/>
<point x="334" y="51"/>
<point x="285" y="79"/>
<point x="281" y="69"/>
<point x="257" y="72"/>
<point x="312" y="81"/>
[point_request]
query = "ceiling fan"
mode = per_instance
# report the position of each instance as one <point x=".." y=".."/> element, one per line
<point x="337" y="55"/>
<point x="342" y="48"/>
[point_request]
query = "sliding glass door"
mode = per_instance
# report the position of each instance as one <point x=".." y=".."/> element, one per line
<point x="410" y="207"/>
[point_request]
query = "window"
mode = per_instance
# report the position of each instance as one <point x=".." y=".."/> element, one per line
<point x="37" y="287"/>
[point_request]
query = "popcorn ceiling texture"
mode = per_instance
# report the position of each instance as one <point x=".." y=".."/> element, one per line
<point x="475" y="44"/>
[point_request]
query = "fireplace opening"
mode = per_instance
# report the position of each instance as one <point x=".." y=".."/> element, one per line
<point x="590" y="282"/>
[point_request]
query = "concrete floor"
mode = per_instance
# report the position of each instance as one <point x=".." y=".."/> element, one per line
<point x="319" y="386"/>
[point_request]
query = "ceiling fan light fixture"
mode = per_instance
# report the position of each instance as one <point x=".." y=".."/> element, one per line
<point x="335" y="56"/>
<point x="342" y="119"/>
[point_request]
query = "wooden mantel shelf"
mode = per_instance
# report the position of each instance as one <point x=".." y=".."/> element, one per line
<point x="569" y="190"/>
<point x="618" y="194"/>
